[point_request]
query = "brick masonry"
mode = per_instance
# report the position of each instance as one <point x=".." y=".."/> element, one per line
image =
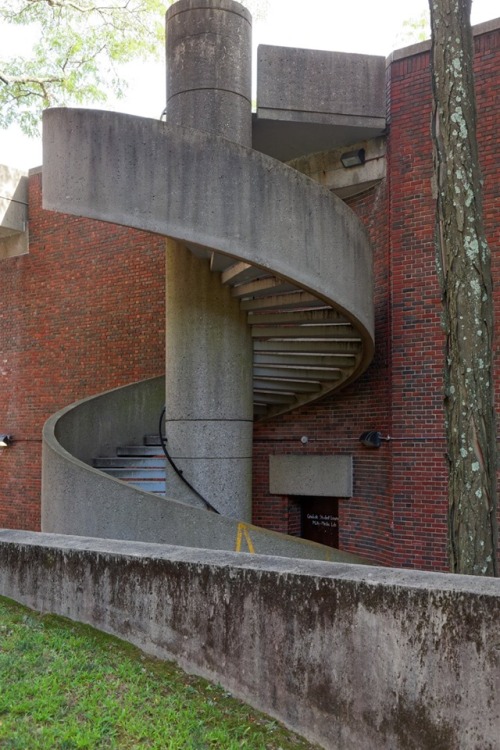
<point x="397" y="515"/>
<point x="81" y="313"/>
<point x="84" y="312"/>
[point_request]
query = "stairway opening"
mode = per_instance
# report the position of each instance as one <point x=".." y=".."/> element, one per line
<point x="320" y="519"/>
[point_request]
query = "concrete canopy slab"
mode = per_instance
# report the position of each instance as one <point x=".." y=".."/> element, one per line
<point x="13" y="201"/>
<point x="312" y="100"/>
<point x="13" y="212"/>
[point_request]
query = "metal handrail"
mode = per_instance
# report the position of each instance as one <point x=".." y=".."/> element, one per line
<point x="179" y="472"/>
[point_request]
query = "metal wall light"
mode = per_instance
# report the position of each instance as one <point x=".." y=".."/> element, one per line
<point x="353" y="158"/>
<point x="5" y="440"/>
<point x="372" y="439"/>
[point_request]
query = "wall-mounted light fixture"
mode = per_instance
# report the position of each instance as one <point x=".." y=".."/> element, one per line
<point x="372" y="439"/>
<point x="353" y="158"/>
<point x="5" y="440"/>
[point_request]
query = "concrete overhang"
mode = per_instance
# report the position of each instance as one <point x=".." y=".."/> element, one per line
<point x="326" y="167"/>
<point x="13" y="212"/>
<point x="313" y="100"/>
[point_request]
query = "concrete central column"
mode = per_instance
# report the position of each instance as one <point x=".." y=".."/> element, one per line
<point x="209" y="68"/>
<point x="209" y="415"/>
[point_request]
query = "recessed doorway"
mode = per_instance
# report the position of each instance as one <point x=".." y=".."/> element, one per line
<point x="320" y="520"/>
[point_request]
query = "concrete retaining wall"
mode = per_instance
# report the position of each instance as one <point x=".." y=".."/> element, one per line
<point x="350" y="656"/>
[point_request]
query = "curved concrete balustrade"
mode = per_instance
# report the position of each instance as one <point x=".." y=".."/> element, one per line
<point x="81" y="500"/>
<point x="223" y="199"/>
<point x="210" y="192"/>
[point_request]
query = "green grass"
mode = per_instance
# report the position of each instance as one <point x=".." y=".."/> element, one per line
<point x="66" y="686"/>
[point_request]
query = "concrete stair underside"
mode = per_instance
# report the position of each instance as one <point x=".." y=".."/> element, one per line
<point x="303" y="348"/>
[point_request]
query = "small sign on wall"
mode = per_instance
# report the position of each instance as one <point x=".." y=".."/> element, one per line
<point x="312" y="476"/>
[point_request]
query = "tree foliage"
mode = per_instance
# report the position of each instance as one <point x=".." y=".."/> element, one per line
<point x="78" y="46"/>
<point x="415" y="29"/>
<point x="463" y="260"/>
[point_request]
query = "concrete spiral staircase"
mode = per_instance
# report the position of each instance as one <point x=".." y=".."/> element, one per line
<point x="248" y="239"/>
<point x="295" y="257"/>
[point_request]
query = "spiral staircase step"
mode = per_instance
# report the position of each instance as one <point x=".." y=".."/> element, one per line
<point x="305" y="346"/>
<point x="327" y="362"/>
<point x="241" y="272"/>
<point x="305" y="333"/>
<point x="289" y="301"/>
<point x="130" y="462"/>
<point x="299" y="317"/>
<point x="262" y="287"/>
<point x="143" y="466"/>
<point x="289" y="386"/>
<point x="139" y="450"/>
<point x="288" y="372"/>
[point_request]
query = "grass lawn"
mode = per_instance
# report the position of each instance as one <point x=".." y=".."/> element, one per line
<point x="66" y="686"/>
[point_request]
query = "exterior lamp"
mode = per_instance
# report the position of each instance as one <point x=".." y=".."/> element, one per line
<point x="372" y="439"/>
<point x="5" y="440"/>
<point x="353" y="158"/>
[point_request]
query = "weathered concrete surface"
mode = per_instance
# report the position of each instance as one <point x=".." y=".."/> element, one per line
<point x="327" y="168"/>
<point x="314" y="100"/>
<point x="123" y="414"/>
<point x="79" y="499"/>
<point x="305" y="83"/>
<point x="208" y="384"/>
<point x="209" y="67"/>
<point x="13" y="212"/>
<point x="328" y="476"/>
<point x="351" y="657"/>
<point x="139" y="172"/>
<point x="209" y="351"/>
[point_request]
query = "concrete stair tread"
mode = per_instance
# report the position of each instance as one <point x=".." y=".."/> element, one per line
<point x="279" y="385"/>
<point x="129" y="462"/>
<point x="289" y="301"/>
<point x="289" y="372"/>
<point x="306" y="332"/>
<point x="325" y="362"/>
<point x="263" y="288"/>
<point x="297" y="317"/>
<point x="240" y="273"/>
<point x="153" y="486"/>
<point x="149" y="474"/>
<point x="140" y="450"/>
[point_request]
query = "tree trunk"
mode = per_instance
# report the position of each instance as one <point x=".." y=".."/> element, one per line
<point x="464" y="268"/>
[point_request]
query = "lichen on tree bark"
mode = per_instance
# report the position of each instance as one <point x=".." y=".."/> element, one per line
<point x="464" y="268"/>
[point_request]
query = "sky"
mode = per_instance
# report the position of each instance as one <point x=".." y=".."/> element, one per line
<point x="366" y="26"/>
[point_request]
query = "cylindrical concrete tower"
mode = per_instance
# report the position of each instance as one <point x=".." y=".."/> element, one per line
<point x="209" y="416"/>
<point x="209" y="68"/>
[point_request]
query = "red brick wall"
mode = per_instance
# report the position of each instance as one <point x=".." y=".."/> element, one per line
<point x="84" y="312"/>
<point x="419" y="469"/>
<point x="335" y="424"/>
<point x="81" y="313"/>
<point x="397" y="515"/>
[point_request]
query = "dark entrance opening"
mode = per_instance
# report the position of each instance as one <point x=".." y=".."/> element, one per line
<point x="320" y="520"/>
